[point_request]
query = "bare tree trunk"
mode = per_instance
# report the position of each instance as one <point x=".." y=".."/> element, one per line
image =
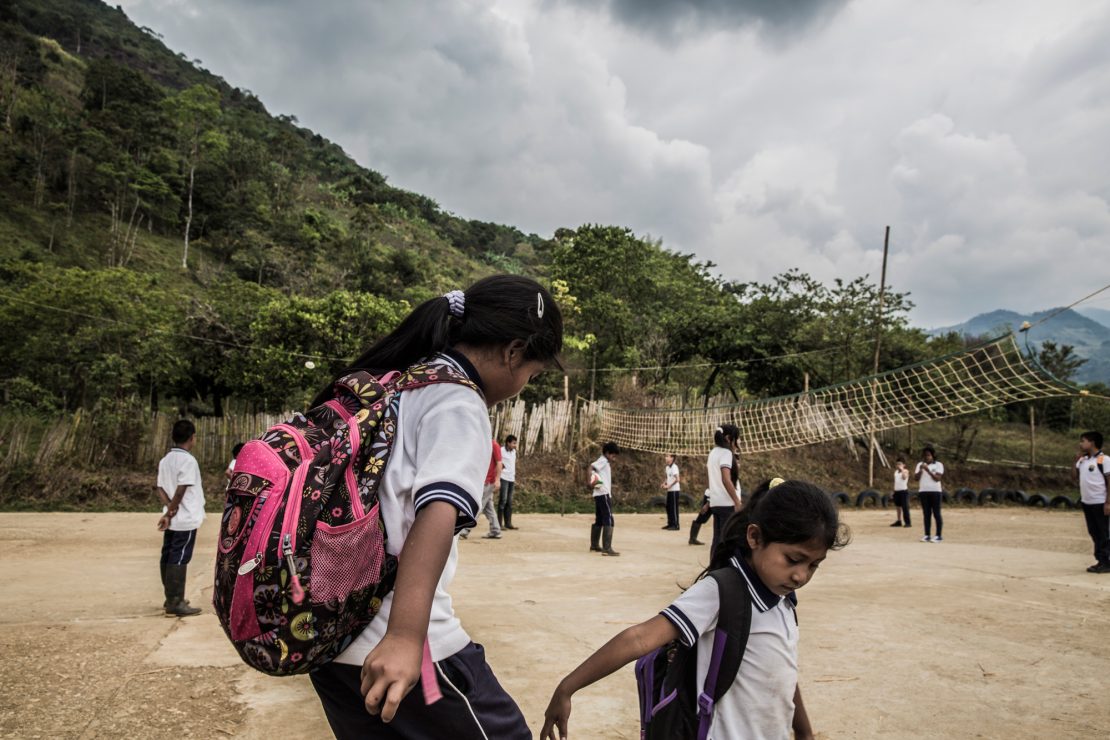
<point x="189" y="212"/>
<point x="71" y="187"/>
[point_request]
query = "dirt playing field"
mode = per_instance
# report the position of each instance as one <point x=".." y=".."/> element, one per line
<point x="997" y="632"/>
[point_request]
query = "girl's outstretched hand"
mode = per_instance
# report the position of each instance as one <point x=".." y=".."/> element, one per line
<point x="557" y="714"/>
<point x="388" y="674"/>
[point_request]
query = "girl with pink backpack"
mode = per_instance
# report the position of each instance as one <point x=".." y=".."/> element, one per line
<point x="490" y="341"/>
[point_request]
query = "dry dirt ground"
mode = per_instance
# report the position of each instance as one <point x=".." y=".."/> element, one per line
<point x="998" y="632"/>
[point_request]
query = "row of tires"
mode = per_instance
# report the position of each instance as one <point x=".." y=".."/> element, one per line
<point x="872" y="498"/>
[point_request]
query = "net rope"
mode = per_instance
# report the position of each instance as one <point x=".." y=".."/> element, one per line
<point x="992" y="374"/>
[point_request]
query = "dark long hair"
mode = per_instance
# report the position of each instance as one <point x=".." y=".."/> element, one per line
<point x="793" y="511"/>
<point x="499" y="309"/>
<point x="725" y="436"/>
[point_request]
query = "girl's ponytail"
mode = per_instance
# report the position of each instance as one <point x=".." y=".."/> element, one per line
<point x="492" y="312"/>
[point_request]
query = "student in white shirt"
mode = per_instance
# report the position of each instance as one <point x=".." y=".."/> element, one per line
<point x="673" y="486"/>
<point x="928" y="474"/>
<point x="777" y="542"/>
<point x="901" y="496"/>
<point x="1092" y="473"/>
<point x="501" y="333"/>
<point x="508" y="482"/>
<point x="182" y="493"/>
<point x="601" y="485"/>
<point x="724" y="479"/>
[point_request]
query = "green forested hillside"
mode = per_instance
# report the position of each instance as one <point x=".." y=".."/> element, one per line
<point x="165" y="240"/>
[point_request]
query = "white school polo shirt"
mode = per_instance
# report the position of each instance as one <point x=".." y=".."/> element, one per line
<point x="440" y="453"/>
<point x="901" y="480"/>
<point x="604" y="472"/>
<point x="672" y="478"/>
<point x="1092" y="483"/>
<point x="508" y="465"/>
<point x="927" y="483"/>
<point x="179" y="468"/>
<point x="720" y="457"/>
<point x="760" y="703"/>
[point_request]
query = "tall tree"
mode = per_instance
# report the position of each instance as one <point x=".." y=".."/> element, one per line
<point x="196" y="111"/>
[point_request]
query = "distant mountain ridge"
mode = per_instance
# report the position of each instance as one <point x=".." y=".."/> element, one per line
<point x="1089" y="334"/>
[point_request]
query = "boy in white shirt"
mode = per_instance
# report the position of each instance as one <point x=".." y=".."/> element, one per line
<point x="601" y="484"/>
<point x="182" y="494"/>
<point x="673" y="487"/>
<point x="901" y="496"/>
<point x="1092" y="473"/>
<point x="508" y="482"/>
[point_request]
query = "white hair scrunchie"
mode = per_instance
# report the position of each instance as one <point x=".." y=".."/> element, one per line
<point x="456" y="303"/>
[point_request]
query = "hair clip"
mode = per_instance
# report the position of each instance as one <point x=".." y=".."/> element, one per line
<point x="775" y="483"/>
<point x="456" y="303"/>
<point x="539" y="305"/>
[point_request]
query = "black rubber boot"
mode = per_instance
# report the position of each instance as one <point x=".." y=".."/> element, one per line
<point x="595" y="538"/>
<point x="175" y="592"/>
<point x="694" y="528"/>
<point x="607" y="542"/>
<point x="165" y="590"/>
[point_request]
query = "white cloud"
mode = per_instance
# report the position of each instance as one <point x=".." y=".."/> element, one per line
<point x="979" y="132"/>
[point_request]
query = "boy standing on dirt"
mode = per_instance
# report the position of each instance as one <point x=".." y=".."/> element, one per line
<point x="182" y="494"/>
<point x="1092" y="472"/>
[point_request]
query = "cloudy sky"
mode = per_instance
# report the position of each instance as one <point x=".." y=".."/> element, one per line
<point x="759" y="134"/>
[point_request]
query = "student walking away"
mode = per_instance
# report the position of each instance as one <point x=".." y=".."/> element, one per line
<point x="724" y="478"/>
<point x="672" y="485"/>
<point x="231" y="465"/>
<point x="182" y="493"/>
<point x="1092" y="472"/>
<point x="928" y="474"/>
<point x="496" y="337"/>
<point x="901" y="493"/>
<point x="724" y="655"/>
<point x="508" y="482"/>
<point x="601" y="485"/>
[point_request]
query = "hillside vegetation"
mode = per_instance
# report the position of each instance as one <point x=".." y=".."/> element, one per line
<point x="168" y="243"/>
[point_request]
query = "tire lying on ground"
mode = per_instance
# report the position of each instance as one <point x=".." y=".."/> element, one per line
<point x="1038" y="501"/>
<point x="964" y="496"/>
<point x="945" y="497"/>
<point x="885" y="500"/>
<point x="1061" y="502"/>
<point x="992" y="495"/>
<point x="1017" y="497"/>
<point x="867" y="498"/>
<point x="840" y="498"/>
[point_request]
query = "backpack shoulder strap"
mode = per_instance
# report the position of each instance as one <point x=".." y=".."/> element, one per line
<point x="1099" y="463"/>
<point x="730" y="639"/>
<point x="420" y="375"/>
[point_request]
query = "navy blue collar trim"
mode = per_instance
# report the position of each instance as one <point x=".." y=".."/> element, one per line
<point x="763" y="598"/>
<point x="466" y="366"/>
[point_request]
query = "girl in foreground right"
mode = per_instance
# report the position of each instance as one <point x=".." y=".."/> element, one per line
<point x="777" y="541"/>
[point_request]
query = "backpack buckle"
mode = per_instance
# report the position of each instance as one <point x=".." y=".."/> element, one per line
<point x="705" y="704"/>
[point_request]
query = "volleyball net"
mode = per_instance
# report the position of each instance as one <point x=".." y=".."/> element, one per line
<point x="992" y="374"/>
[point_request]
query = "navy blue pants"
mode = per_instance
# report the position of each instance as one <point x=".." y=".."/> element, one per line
<point x="902" y="501"/>
<point x="721" y="516"/>
<point x="473" y="707"/>
<point x="672" y="508"/>
<point x="177" y="547"/>
<point x="603" y="511"/>
<point x="930" y="506"/>
<point x="1098" y="526"/>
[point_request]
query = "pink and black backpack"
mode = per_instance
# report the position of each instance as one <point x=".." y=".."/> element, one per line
<point x="301" y="565"/>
